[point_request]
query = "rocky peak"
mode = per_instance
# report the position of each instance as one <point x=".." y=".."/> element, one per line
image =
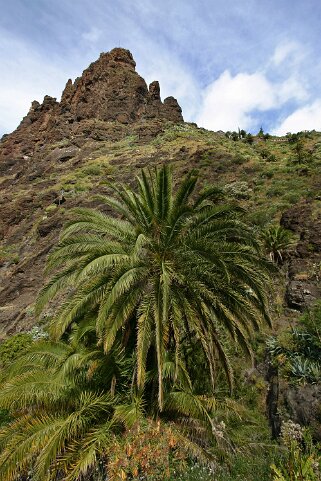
<point x="109" y="91"/>
<point x="117" y="56"/>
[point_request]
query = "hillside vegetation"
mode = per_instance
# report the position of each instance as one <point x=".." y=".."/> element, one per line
<point x="265" y="177"/>
<point x="159" y="314"/>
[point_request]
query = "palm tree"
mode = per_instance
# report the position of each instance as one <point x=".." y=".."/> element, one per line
<point x="169" y="268"/>
<point x="69" y="413"/>
<point x="152" y="295"/>
<point x="276" y="240"/>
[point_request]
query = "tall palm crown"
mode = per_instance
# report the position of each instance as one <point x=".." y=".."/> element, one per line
<point x="172" y="267"/>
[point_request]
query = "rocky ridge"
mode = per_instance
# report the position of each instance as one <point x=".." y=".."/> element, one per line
<point x="109" y="93"/>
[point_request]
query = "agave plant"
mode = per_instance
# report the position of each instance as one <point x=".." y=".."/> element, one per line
<point x="170" y="266"/>
<point x="305" y="370"/>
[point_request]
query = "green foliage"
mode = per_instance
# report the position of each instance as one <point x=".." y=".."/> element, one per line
<point x="4" y="417"/>
<point x="311" y="322"/>
<point x="304" y="370"/>
<point x="261" y="217"/>
<point x="292" y="138"/>
<point x="276" y="191"/>
<point x="271" y="158"/>
<point x="71" y="406"/>
<point x="51" y="208"/>
<point x="302" y="461"/>
<point x="261" y="132"/>
<point x="276" y="240"/>
<point x="298" y="351"/>
<point x="268" y="174"/>
<point x="302" y="154"/>
<point x="162" y="262"/>
<point x="8" y="254"/>
<point x="292" y="197"/>
<point x="264" y="153"/>
<point x="239" y="160"/>
<point x="14" y="347"/>
<point x="151" y="296"/>
<point x="248" y="467"/>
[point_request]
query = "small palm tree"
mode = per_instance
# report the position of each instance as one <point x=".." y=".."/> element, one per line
<point x="276" y="240"/>
<point x="168" y="268"/>
<point x="70" y="405"/>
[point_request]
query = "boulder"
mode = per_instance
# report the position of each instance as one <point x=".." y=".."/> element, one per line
<point x="304" y="406"/>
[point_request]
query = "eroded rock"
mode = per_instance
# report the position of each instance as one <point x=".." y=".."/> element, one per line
<point x="303" y="405"/>
<point x="109" y="92"/>
<point x="303" y="286"/>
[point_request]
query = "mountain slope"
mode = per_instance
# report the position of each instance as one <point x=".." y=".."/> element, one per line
<point x="107" y="126"/>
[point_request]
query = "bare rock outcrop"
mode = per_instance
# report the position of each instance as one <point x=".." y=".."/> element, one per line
<point x="304" y="272"/>
<point x="109" y="92"/>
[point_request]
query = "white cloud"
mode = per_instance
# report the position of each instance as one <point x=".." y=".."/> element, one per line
<point x="291" y="88"/>
<point x="92" y="35"/>
<point x="25" y="76"/>
<point x="304" y="118"/>
<point x="177" y="81"/>
<point x="230" y="102"/>
<point x="285" y="51"/>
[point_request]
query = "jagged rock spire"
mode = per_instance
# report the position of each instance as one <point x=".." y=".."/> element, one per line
<point x="109" y="90"/>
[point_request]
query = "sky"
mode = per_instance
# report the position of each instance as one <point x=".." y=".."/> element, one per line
<point x="230" y="64"/>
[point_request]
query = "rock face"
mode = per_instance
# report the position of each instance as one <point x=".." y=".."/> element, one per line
<point x="108" y="93"/>
<point x="304" y="272"/>
<point x="303" y="405"/>
<point x="111" y="90"/>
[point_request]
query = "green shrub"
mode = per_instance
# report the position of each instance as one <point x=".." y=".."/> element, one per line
<point x="13" y="347"/>
<point x="271" y="158"/>
<point x="238" y="190"/>
<point x="302" y="460"/>
<point x="261" y="217"/>
<point x="4" y="417"/>
<point x="264" y="153"/>
<point x="276" y="191"/>
<point x="297" y="352"/>
<point x="292" y="197"/>
<point x="248" y="467"/>
<point x="8" y="254"/>
<point x="268" y="174"/>
<point x="93" y="170"/>
<point x="276" y="240"/>
<point x="239" y="160"/>
<point x="51" y="208"/>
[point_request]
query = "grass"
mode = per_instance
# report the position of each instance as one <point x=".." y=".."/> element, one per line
<point x="9" y="254"/>
<point x="280" y="182"/>
<point x="273" y="178"/>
